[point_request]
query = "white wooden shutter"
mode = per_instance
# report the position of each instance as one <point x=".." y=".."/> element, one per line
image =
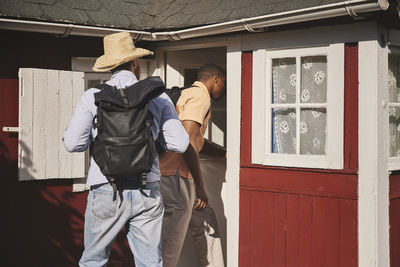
<point x="47" y="100"/>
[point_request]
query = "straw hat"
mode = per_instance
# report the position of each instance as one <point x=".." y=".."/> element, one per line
<point x="118" y="49"/>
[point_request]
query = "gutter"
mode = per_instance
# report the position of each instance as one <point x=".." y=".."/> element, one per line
<point x="255" y="24"/>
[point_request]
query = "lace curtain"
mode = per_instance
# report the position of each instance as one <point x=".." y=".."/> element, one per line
<point x="313" y="90"/>
<point x="394" y="98"/>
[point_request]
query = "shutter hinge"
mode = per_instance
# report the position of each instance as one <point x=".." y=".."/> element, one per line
<point x="11" y="129"/>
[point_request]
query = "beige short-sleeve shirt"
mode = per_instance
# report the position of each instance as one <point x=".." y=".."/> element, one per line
<point x="193" y="104"/>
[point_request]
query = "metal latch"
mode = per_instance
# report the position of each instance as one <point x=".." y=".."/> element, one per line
<point x="11" y="129"/>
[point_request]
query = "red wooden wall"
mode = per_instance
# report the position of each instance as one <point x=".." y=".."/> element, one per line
<point x="42" y="221"/>
<point x="300" y="217"/>
<point x="394" y="214"/>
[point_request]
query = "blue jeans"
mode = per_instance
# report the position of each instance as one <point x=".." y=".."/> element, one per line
<point x="140" y="211"/>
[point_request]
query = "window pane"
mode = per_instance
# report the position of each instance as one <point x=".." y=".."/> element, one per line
<point x="313" y="79"/>
<point x="284" y="80"/>
<point x="312" y="131"/>
<point x="190" y="76"/>
<point x="394" y="128"/>
<point x="93" y="83"/>
<point x="394" y="78"/>
<point x="284" y="131"/>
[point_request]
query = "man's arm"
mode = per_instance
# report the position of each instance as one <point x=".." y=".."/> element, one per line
<point x="175" y="137"/>
<point x="191" y="157"/>
<point x="76" y="137"/>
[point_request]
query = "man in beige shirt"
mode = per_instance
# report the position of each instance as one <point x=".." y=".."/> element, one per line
<point x="183" y="190"/>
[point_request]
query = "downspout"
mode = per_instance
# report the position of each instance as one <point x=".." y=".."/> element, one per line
<point x="255" y="24"/>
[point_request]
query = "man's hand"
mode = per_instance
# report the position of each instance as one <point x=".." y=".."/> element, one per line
<point x="200" y="204"/>
<point x="202" y="199"/>
<point x="192" y="161"/>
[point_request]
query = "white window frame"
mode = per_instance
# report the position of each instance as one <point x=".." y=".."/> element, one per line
<point x="262" y="105"/>
<point x="394" y="162"/>
<point x="85" y="64"/>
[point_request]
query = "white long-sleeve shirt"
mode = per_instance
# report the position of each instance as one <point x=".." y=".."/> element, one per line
<point x="77" y="138"/>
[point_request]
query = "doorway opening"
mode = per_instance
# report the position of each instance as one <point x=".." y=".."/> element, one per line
<point x="181" y="68"/>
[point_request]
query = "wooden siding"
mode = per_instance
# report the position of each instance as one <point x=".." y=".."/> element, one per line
<point x="47" y="102"/>
<point x="351" y="108"/>
<point x="394" y="214"/>
<point x="299" y="182"/>
<point x="394" y="192"/>
<point x="394" y="232"/>
<point x="296" y="230"/>
<point x="299" y="217"/>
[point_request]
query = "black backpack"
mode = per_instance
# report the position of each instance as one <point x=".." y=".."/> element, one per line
<point x="175" y="92"/>
<point x="124" y="146"/>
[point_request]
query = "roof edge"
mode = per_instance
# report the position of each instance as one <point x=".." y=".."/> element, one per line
<point x="255" y="24"/>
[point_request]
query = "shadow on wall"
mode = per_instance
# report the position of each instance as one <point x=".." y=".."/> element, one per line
<point x="4" y="153"/>
<point x="26" y="162"/>
<point x="42" y="222"/>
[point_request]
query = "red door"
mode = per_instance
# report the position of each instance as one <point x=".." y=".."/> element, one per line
<point x="299" y="217"/>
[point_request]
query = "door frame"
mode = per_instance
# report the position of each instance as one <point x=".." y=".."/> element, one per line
<point x="230" y="190"/>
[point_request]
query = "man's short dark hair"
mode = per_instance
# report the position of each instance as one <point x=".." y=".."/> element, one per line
<point x="125" y="66"/>
<point x="208" y="70"/>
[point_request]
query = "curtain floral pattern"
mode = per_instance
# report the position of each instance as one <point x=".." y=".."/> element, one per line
<point x="284" y="92"/>
<point x="312" y="90"/>
<point x="394" y="98"/>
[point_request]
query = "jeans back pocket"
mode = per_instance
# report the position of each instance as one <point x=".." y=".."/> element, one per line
<point x="103" y="206"/>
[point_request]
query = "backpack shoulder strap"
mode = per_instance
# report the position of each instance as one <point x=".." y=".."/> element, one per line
<point x="208" y="111"/>
<point x="175" y="92"/>
<point x="103" y="86"/>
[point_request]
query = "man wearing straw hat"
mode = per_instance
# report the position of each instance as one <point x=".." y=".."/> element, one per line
<point x="140" y="211"/>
